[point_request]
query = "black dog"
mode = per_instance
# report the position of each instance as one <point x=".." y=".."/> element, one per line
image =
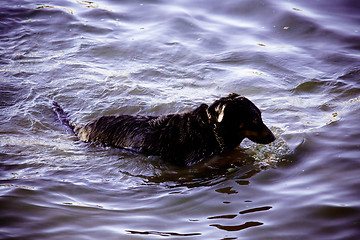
<point x="180" y="138"/>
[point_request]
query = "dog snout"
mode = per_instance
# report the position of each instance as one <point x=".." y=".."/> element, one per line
<point x="268" y="135"/>
<point x="262" y="136"/>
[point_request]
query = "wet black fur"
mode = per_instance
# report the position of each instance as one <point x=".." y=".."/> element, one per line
<point x="180" y="138"/>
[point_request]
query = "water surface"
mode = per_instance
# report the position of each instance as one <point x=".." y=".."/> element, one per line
<point x="298" y="61"/>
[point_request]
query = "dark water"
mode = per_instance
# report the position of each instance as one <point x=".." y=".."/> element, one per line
<point x="299" y="61"/>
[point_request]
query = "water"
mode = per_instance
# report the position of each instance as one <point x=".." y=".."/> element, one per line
<point x="298" y="61"/>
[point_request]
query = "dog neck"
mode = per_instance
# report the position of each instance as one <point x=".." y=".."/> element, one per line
<point x="218" y="137"/>
<point x="216" y="130"/>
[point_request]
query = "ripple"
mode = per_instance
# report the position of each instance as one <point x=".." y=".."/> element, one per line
<point x="298" y="61"/>
<point x="162" y="234"/>
<point x="252" y="210"/>
<point x="237" y="227"/>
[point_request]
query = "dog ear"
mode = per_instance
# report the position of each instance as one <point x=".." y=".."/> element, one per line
<point x="220" y="111"/>
<point x="216" y="112"/>
<point x="233" y="95"/>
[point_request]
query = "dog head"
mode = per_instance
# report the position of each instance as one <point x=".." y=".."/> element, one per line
<point x="236" y="118"/>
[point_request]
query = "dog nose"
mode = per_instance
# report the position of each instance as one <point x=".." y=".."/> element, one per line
<point x="267" y="135"/>
<point x="263" y="136"/>
<point x="270" y="137"/>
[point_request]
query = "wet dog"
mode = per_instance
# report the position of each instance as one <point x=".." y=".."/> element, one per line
<point x="184" y="138"/>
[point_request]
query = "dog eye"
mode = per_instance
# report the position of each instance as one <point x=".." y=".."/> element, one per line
<point x="256" y="120"/>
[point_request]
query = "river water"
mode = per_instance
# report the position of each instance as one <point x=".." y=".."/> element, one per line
<point x="298" y="61"/>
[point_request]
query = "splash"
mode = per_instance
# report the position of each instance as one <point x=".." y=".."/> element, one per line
<point x="268" y="155"/>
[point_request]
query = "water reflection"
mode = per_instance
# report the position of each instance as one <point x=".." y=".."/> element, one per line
<point x="207" y="173"/>
<point x="240" y="227"/>
<point x="252" y="210"/>
<point x="162" y="234"/>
